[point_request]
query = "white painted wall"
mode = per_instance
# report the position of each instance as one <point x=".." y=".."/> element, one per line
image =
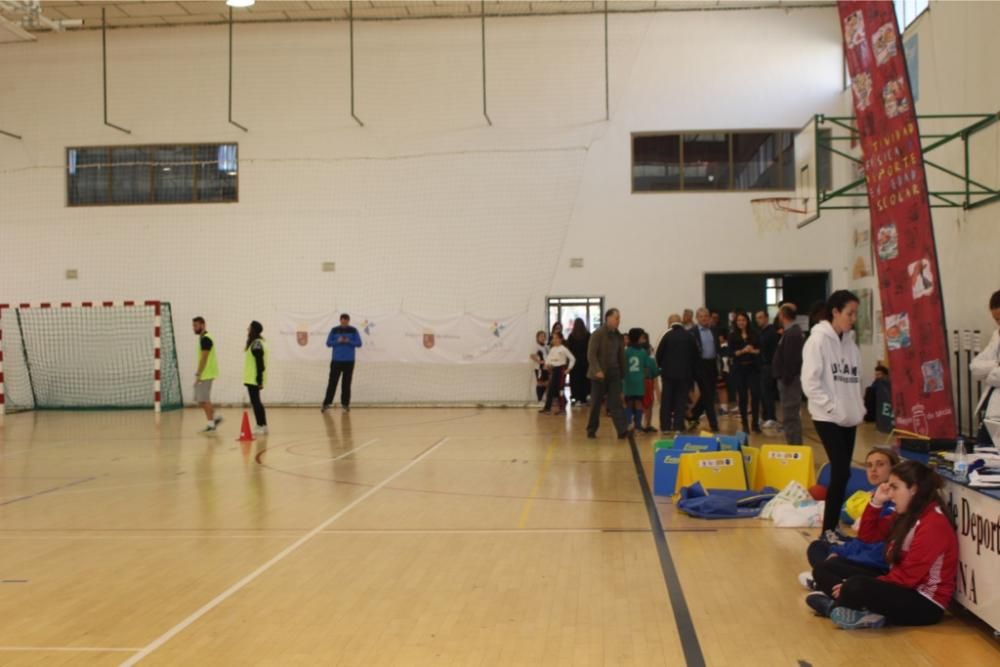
<point x="425" y="207"/>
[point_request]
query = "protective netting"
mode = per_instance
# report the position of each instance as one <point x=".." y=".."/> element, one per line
<point x="79" y="358"/>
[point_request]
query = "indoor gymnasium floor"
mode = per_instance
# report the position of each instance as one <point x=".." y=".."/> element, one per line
<point x="392" y="537"/>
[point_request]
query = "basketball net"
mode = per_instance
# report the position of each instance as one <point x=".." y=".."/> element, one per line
<point x="772" y="214"/>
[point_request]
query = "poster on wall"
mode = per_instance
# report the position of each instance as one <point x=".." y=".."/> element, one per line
<point x="901" y="230"/>
<point x="862" y="265"/>
<point x="409" y="338"/>
<point x="863" y="325"/>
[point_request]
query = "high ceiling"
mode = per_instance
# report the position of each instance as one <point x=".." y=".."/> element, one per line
<point x="20" y="19"/>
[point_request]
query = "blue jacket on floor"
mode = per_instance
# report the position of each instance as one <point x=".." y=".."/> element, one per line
<point x="723" y="504"/>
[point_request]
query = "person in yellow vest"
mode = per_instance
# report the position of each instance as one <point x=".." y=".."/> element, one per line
<point x="208" y="370"/>
<point x="255" y="372"/>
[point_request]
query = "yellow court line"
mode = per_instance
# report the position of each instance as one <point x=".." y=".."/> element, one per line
<point x="523" y="521"/>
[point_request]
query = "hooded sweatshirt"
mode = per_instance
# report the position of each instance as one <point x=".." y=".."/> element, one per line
<point x="830" y="376"/>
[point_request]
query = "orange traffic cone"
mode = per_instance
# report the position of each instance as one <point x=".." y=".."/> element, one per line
<point x="245" y="434"/>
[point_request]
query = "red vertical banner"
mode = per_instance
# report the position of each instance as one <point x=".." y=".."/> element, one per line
<point x="902" y="231"/>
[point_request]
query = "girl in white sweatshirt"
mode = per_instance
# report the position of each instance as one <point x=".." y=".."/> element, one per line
<point x="831" y="380"/>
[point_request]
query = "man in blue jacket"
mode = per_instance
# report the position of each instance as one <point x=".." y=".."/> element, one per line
<point x="344" y="340"/>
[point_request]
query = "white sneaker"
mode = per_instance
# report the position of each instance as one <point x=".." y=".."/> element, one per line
<point x="806" y="579"/>
<point x="260" y="430"/>
<point x="208" y="428"/>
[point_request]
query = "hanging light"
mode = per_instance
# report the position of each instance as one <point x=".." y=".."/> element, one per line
<point x="240" y="3"/>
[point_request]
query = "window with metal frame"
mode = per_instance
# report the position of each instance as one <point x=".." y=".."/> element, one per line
<point x="152" y="174"/>
<point x="718" y="160"/>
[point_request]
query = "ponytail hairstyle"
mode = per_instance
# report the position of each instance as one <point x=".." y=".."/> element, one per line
<point x="256" y="329"/>
<point x="929" y="485"/>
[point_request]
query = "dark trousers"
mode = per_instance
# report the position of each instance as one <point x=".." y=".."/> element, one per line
<point x="706" y="375"/>
<point x="747" y="380"/>
<point x="258" y="407"/>
<point x="338" y="368"/>
<point x="610" y="389"/>
<point x="838" y="441"/>
<point x="555" y="393"/>
<point x="828" y="572"/>
<point x="673" y="404"/>
<point x="768" y="394"/>
<point x="899" y="605"/>
<point x="791" y="411"/>
<point x="579" y="383"/>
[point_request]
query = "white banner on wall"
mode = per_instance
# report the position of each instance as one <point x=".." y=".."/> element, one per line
<point x="408" y="338"/>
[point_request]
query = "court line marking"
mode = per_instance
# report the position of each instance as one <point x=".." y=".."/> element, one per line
<point x="284" y="553"/>
<point x="530" y="502"/>
<point x="693" y="656"/>
<point x="71" y="649"/>
<point x="321" y="461"/>
<point x="43" y="492"/>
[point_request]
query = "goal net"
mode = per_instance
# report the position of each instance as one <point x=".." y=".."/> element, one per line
<point x="88" y="356"/>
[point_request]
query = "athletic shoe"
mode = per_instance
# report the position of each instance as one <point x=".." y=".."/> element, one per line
<point x="649" y="429"/>
<point x="208" y="428"/>
<point x="324" y="408"/>
<point x="623" y="436"/>
<point x="347" y="408"/>
<point x="260" y="430"/>
<point x="832" y="537"/>
<point x="852" y="619"/>
<point x="821" y="603"/>
<point x="806" y="579"/>
<point x="591" y="435"/>
<point x="769" y="423"/>
<point x="217" y="420"/>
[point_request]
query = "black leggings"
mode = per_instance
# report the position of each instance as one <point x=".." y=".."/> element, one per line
<point x="258" y="407"/>
<point x="899" y="605"/>
<point x="838" y="441"/>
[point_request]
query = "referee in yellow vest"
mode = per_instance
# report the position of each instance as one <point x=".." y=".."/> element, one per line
<point x="255" y="372"/>
<point x="208" y="370"/>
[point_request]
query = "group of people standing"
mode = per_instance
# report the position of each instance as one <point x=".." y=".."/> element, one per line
<point x="344" y="340"/>
<point x="693" y="361"/>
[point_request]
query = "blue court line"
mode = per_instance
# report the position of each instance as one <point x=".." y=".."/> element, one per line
<point x="45" y="491"/>
<point x="682" y="615"/>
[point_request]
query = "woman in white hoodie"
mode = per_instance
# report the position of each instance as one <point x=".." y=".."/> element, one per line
<point x="986" y="369"/>
<point x="831" y="381"/>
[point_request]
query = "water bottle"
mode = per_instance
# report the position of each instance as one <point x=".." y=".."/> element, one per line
<point x="961" y="467"/>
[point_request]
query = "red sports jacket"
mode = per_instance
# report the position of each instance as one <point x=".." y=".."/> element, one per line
<point x="930" y="552"/>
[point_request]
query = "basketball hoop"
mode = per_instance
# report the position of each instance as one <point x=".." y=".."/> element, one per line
<point x="773" y="213"/>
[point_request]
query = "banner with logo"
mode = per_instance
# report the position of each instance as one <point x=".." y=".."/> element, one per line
<point x="409" y="338"/>
<point x="901" y="228"/>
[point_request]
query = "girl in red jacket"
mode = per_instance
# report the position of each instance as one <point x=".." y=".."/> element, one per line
<point x="921" y="549"/>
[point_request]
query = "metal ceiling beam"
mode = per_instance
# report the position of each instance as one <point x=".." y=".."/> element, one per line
<point x="482" y="16"/>
<point x="350" y="24"/>
<point x="104" y="70"/>
<point x="231" y="121"/>
<point x="16" y="29"/>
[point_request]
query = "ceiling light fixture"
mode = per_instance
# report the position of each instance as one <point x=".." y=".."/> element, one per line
<point x="239" y="3"/>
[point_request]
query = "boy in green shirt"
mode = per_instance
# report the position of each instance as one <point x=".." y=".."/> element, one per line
<point x="639" y="367"/>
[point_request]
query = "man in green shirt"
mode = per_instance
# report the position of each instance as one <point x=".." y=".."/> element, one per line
<point x="208" y="370"/>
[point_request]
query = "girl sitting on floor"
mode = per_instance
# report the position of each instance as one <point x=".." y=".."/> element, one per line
<point x="878" y="464"/>
<point x="921" y="548"/>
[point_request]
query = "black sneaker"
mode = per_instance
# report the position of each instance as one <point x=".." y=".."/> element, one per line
<point x="821" y="603"/>
<point x="324" y="408"/>
<point x="591" y="435"/>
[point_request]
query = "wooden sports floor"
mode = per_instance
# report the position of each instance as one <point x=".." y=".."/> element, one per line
<point x="393" y="537"/>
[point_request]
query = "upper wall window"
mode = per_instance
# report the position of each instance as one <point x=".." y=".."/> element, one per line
<point x="163" y="174"/>
<point x="907" y="11"/>
<point x="713" y="161"/>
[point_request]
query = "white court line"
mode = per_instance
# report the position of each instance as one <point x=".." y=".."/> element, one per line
<point x="70" y="649"/>
<point x="331" y="460"/>
<point x="287" y="551"/>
